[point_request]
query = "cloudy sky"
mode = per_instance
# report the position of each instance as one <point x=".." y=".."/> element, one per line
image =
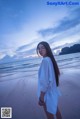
<point x="24" y="23"/>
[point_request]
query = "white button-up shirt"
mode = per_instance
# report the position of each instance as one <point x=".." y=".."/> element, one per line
<point x="47" y="84"/>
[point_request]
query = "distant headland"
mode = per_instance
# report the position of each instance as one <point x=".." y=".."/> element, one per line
<point x="73" y="49"/>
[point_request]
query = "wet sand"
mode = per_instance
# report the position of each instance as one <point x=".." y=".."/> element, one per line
<point x="70" y="99"/>
<point x="21" y="95"/>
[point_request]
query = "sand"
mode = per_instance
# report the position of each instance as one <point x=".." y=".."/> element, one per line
<point x="21" y="95"/>
<point x="70" y="89"/>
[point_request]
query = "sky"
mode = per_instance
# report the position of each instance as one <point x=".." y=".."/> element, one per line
<point x="24" y="23"/>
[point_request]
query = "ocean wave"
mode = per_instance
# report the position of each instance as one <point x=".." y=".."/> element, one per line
<point x="64" y="61"/>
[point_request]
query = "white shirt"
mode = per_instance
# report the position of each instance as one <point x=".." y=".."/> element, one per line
<point x="47" y="84"/>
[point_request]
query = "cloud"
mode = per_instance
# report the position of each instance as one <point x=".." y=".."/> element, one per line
<point x="26" y="53"/>
<point x="25" y="47"/>
<point x="67" y="23"/>
<point x="27" y="50"/>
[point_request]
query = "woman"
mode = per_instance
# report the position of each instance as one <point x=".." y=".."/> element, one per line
<point x="48" y="82"/>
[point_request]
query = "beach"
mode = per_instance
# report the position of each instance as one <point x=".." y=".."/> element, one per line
<point x="70" y="89"/>
<point x="21" y="95"/>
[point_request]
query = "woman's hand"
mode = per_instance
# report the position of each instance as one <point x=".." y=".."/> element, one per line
<point x="41" y="99"/>
<point x="41" y="103"/>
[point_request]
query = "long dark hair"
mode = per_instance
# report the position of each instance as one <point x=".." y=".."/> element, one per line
<point x="50" y="54"/>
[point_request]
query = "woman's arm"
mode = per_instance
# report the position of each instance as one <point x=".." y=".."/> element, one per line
<point x="42" y="96"/>
<point x="41" y="99"/>
<point x="44" y="80"/>
<point x="44" y="76"/>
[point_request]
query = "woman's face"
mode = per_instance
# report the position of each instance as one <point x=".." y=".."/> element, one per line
<point x="42" y="50"/>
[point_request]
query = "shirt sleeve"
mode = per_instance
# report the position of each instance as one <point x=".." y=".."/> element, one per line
<point x="44" y="77"/>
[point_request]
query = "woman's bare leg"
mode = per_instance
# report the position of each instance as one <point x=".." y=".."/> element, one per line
<point x="58" y="114"/>
<point x="49" y="115"/>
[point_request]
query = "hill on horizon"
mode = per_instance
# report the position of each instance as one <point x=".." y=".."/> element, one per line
<point x="73" y="49"/>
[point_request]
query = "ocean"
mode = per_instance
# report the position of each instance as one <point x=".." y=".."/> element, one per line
<point x="27" y="68"/>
